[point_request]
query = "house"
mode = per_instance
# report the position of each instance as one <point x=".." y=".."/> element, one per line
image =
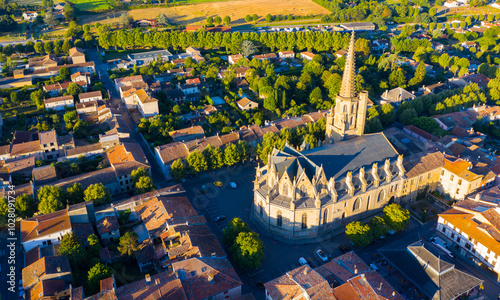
<point x="90" y="96"/>
<point x="419" y="134"/>
<point x="286" y="54"/>
<point x="457" y="179"/>
<point x="44" y="175"/>
<point x="108" y="229"/>
<point x="427" y="267"/>
<point x="451" y="4"/>
<point x="469" y="44"/>
<point x="396" y="96"/>
<point x="307" y="55"/>
<point x="59" y="103"/>
<point x="46" y="268"/>
<point x="44" y="62"/>
<point x="145" y="58"/>
<point x="267" y="56"/>
<point x="25" y="143"/>
<point x="30" y="15"/>
<point x="86" y="108"/>
<point x="340" y="53"/>
<point x="146" y="23"/>
<point x="360" y="26"/>
<point x="381" y="44"/>
<point x="79" y="77"/>
<point x="147" y="105"/>
<point x="208" y="278"/>
<point x="423" y="172"/>
<point x="192" y="51"/>
<point x="437" y="46"/>
<point x="233" y="59"/>
<point x="247" y="104"/>
<point x="187" y="134"/>
<point x="40" y="230"/>
<point x="175" y="95"/>
<point x="77" y="55"/>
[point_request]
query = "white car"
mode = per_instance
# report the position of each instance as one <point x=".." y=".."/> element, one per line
<point x="233" y="185"/>
<point x="322" y="255"/>
<point x="303" y="262"/>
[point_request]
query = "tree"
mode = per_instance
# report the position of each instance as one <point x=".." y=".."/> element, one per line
<point x="227" y="20"/>
<point x="244" y="150"/>
<point x="74" y="168"/>
<point x="75" y="193"/>
<point x="128" y="243"/>
<point x="197" y="162"/>
<point x="178" y="170"/>
<point x="49" y="18"/>
<point x="98" y="272"/>
<point x="232" y="230"/>
<point x="49" y="199"/>
<point x="69" y="12"/>
<point x="397" y="78"/>
<point x="231" y="155"/>
<point x="210" y="21"/>
<point x="396" y="217"/>
<point x="379" y="227"/>
<point x="359" y="234"/>
<point x="65" y="73"/>
<point x="248" y="18"/>
<point x="218" y="20"/>
<point x="94" y="246"/>
<point x="72" y="248"/>
<point x="144" y="185"/>
<point x="48" y="3"/>
<point x="255" y="17"/>
<point x="419" y="75"/>
<point x="136" y="174"/>
<point x="13" y="98"/>
<point x="248" y="250"/>
<point x="387" y="114"/>
<point x="162" y="20"/>
<point x="4" y="211"/>
<point x="8" y="50"/>
<point x="407" y="116"/>
<point x="269" y="18"/>
<point x="214" y="157"/>
<point x="98" y="193"/>
<point x="25" y="206"/>
<point x="125" y="19"/>
<point x="37" y="97"/>
<point x="65" y="47"/>
<point x="74" y="89"/>
<point x="248" y="48"/>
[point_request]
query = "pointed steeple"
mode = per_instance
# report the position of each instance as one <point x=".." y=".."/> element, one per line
<point x="348" y="88"/>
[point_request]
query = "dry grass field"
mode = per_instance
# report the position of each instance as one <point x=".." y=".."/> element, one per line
<point x="237" y="10"/>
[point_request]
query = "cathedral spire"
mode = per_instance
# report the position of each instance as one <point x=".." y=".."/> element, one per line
<point x="348" y="88"/>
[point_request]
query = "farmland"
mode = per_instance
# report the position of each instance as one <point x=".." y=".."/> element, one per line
<point x="91" y="5"/>
<point x="237" y="10"/>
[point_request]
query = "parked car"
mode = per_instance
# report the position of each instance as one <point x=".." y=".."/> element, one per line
<point x="218" y="184"/>
<point x="303" y="261"/>
<point x="233" y="185"/>
<point x="219" y="218"/>
<point x="322" y="255"/>
<point x="344" y="249"/>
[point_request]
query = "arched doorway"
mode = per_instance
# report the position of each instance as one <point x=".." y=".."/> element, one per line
<point x="391" y="200"/>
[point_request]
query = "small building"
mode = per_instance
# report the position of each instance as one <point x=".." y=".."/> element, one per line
<point x="267" y="56"/>
<point x="30" y="15"/>
<point x="340" y="53"/>
<point x="233" y="59"/>
<point x="147" y="105"/>
<point x="307" y="55"/>
<point x="187" y="134"/>
<point x="44" y="175"/>
<point x="79" y="77"/>
<point x="192" y="51"/>
<point x="457" y="179"/>
<point x="469" y="44"/>
<point x="90" y="96"/>
<point x="247" y="104"/>
<point x="145" y="58"/>
<point x="40" y="230"/>
<point x="108" y="229"/>
<point x="146" y="23"/>
<point x="359" y="26"/>
<point x="59" y="103"/>
<point x="396" y="96"/>
<point x="286" y="54"/>
<point x="77" y="55"/>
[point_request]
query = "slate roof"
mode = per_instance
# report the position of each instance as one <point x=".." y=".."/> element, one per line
<point x="350" y="155"/>
<point x="420" y="263"/>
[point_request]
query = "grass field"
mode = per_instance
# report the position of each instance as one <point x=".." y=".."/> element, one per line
<point x="91" y="5"/>
<point x="237" y="10"/>
<point x="31" y="2"/>
<point x="467" y="10"/>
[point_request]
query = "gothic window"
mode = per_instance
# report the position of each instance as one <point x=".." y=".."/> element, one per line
<point x="368" y="202"/>
<point x="304" y="221"/>
<point x="261" y="209"/>
<point x="279" y="219"/>
<point x="345" y="108"/>
<point x="381" y="196"/>
<point x="325" y="216"/>
<point x="356" y="204"/>
<point x="353" y="108"/>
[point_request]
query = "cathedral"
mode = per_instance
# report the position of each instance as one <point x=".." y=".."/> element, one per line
<point x="304" y="195"/>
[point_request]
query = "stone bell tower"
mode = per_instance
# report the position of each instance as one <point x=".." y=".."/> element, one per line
<point x="349" y="115"/>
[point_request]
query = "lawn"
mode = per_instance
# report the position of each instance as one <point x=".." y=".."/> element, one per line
<point x="92" y="5"/>
<point x="33" y="2"/>
<point x="237" y="10"/>
<point x="468" y="10"/>
<point x="18" y="34"/>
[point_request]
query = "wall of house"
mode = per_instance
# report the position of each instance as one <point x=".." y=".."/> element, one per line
<point x="455" y="186"/>
<point x="232" y="293"/>
<point x="111" y="236"/>
<point x="418" y="184"/>
<point x="53" y="238"/>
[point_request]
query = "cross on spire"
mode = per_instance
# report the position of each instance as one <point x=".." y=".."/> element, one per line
<point x="348" y="88"/>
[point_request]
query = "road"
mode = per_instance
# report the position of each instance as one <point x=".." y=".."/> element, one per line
<point x="101" y="68"/>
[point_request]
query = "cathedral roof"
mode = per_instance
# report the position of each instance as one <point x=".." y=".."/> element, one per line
<point x="350" y="155"/>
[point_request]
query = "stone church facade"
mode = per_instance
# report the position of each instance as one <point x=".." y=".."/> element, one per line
<point x="304" y="195"/>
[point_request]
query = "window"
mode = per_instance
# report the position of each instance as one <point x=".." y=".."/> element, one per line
<point x="452" y="177"/>
<point x="452" y="235"/>
<point x="356" y="204"/>
<point x="468" y="247"/>
<point x="458" y="239"/>
<point x="458" y="191"/>
<point x="420" y="179"/>
<point x="442" y="172"/>
<point x="381" y="196"/>
<point x="345" y="108"/>
<point x="52" y="144"/>
<point x="443" y="229"/>
<point x="279" y="219"/>
<point x="459" y="181"/>
<point x="325" y="216"/>
<point x="304" y="221"/>
<point x="44" y="145"/>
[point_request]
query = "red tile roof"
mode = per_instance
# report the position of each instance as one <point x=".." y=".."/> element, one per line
<point x="107" y="224"/>
<point x="45" y="266"/>
<point x="44" y="225"/>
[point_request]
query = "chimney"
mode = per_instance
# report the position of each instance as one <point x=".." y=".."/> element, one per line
<point x="211" y="278"/>
<point x="58" y="269"/>
<point x="305" y="271"/>
<point x="355" y="270"/>
<point x="148" y="279"/>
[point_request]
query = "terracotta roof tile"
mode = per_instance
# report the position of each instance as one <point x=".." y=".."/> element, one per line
<point x="44" y="225"/>
<point x="44" y="174"/>
<point x="162" y="286"/>
<point x="45" y="266"/>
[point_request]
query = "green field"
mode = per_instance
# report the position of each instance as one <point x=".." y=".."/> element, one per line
<point x="91" y="5"/>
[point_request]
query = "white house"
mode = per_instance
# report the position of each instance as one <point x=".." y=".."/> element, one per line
<point x="45" y="230"/>
<point x="147" y="105"/>
<point x="247" y="104"/>
<point x="286" y="54"/>
<point x="59" y="103"/>
<point x="91" y="96"/>
<point x="30" y="15"/>
<point x="307" y="55"/>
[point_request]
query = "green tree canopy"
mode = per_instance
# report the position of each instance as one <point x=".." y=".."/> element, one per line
<point x="248" y="250"/>
<point x="144" y="185"/>
<point x="232" y="230"/>
<point x="25" y="206"/>
<point x="49" y="199"/>
<point x="178" y="170"/>
<point x="138" y="173"/>
<point x="98" y="193"/>
<point x="231" y="155"/>
<point x="396" y="217"/>
<point x="75" y="193"/>
<point x="197" y="162"/>
<point x="128" y="243"/>
<point x="360" y="234"/>
<point x="378" y="226"/>
<point x="72" y="248"/>
<point x="407" y="116"/>
<point x="95" y="275"/>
